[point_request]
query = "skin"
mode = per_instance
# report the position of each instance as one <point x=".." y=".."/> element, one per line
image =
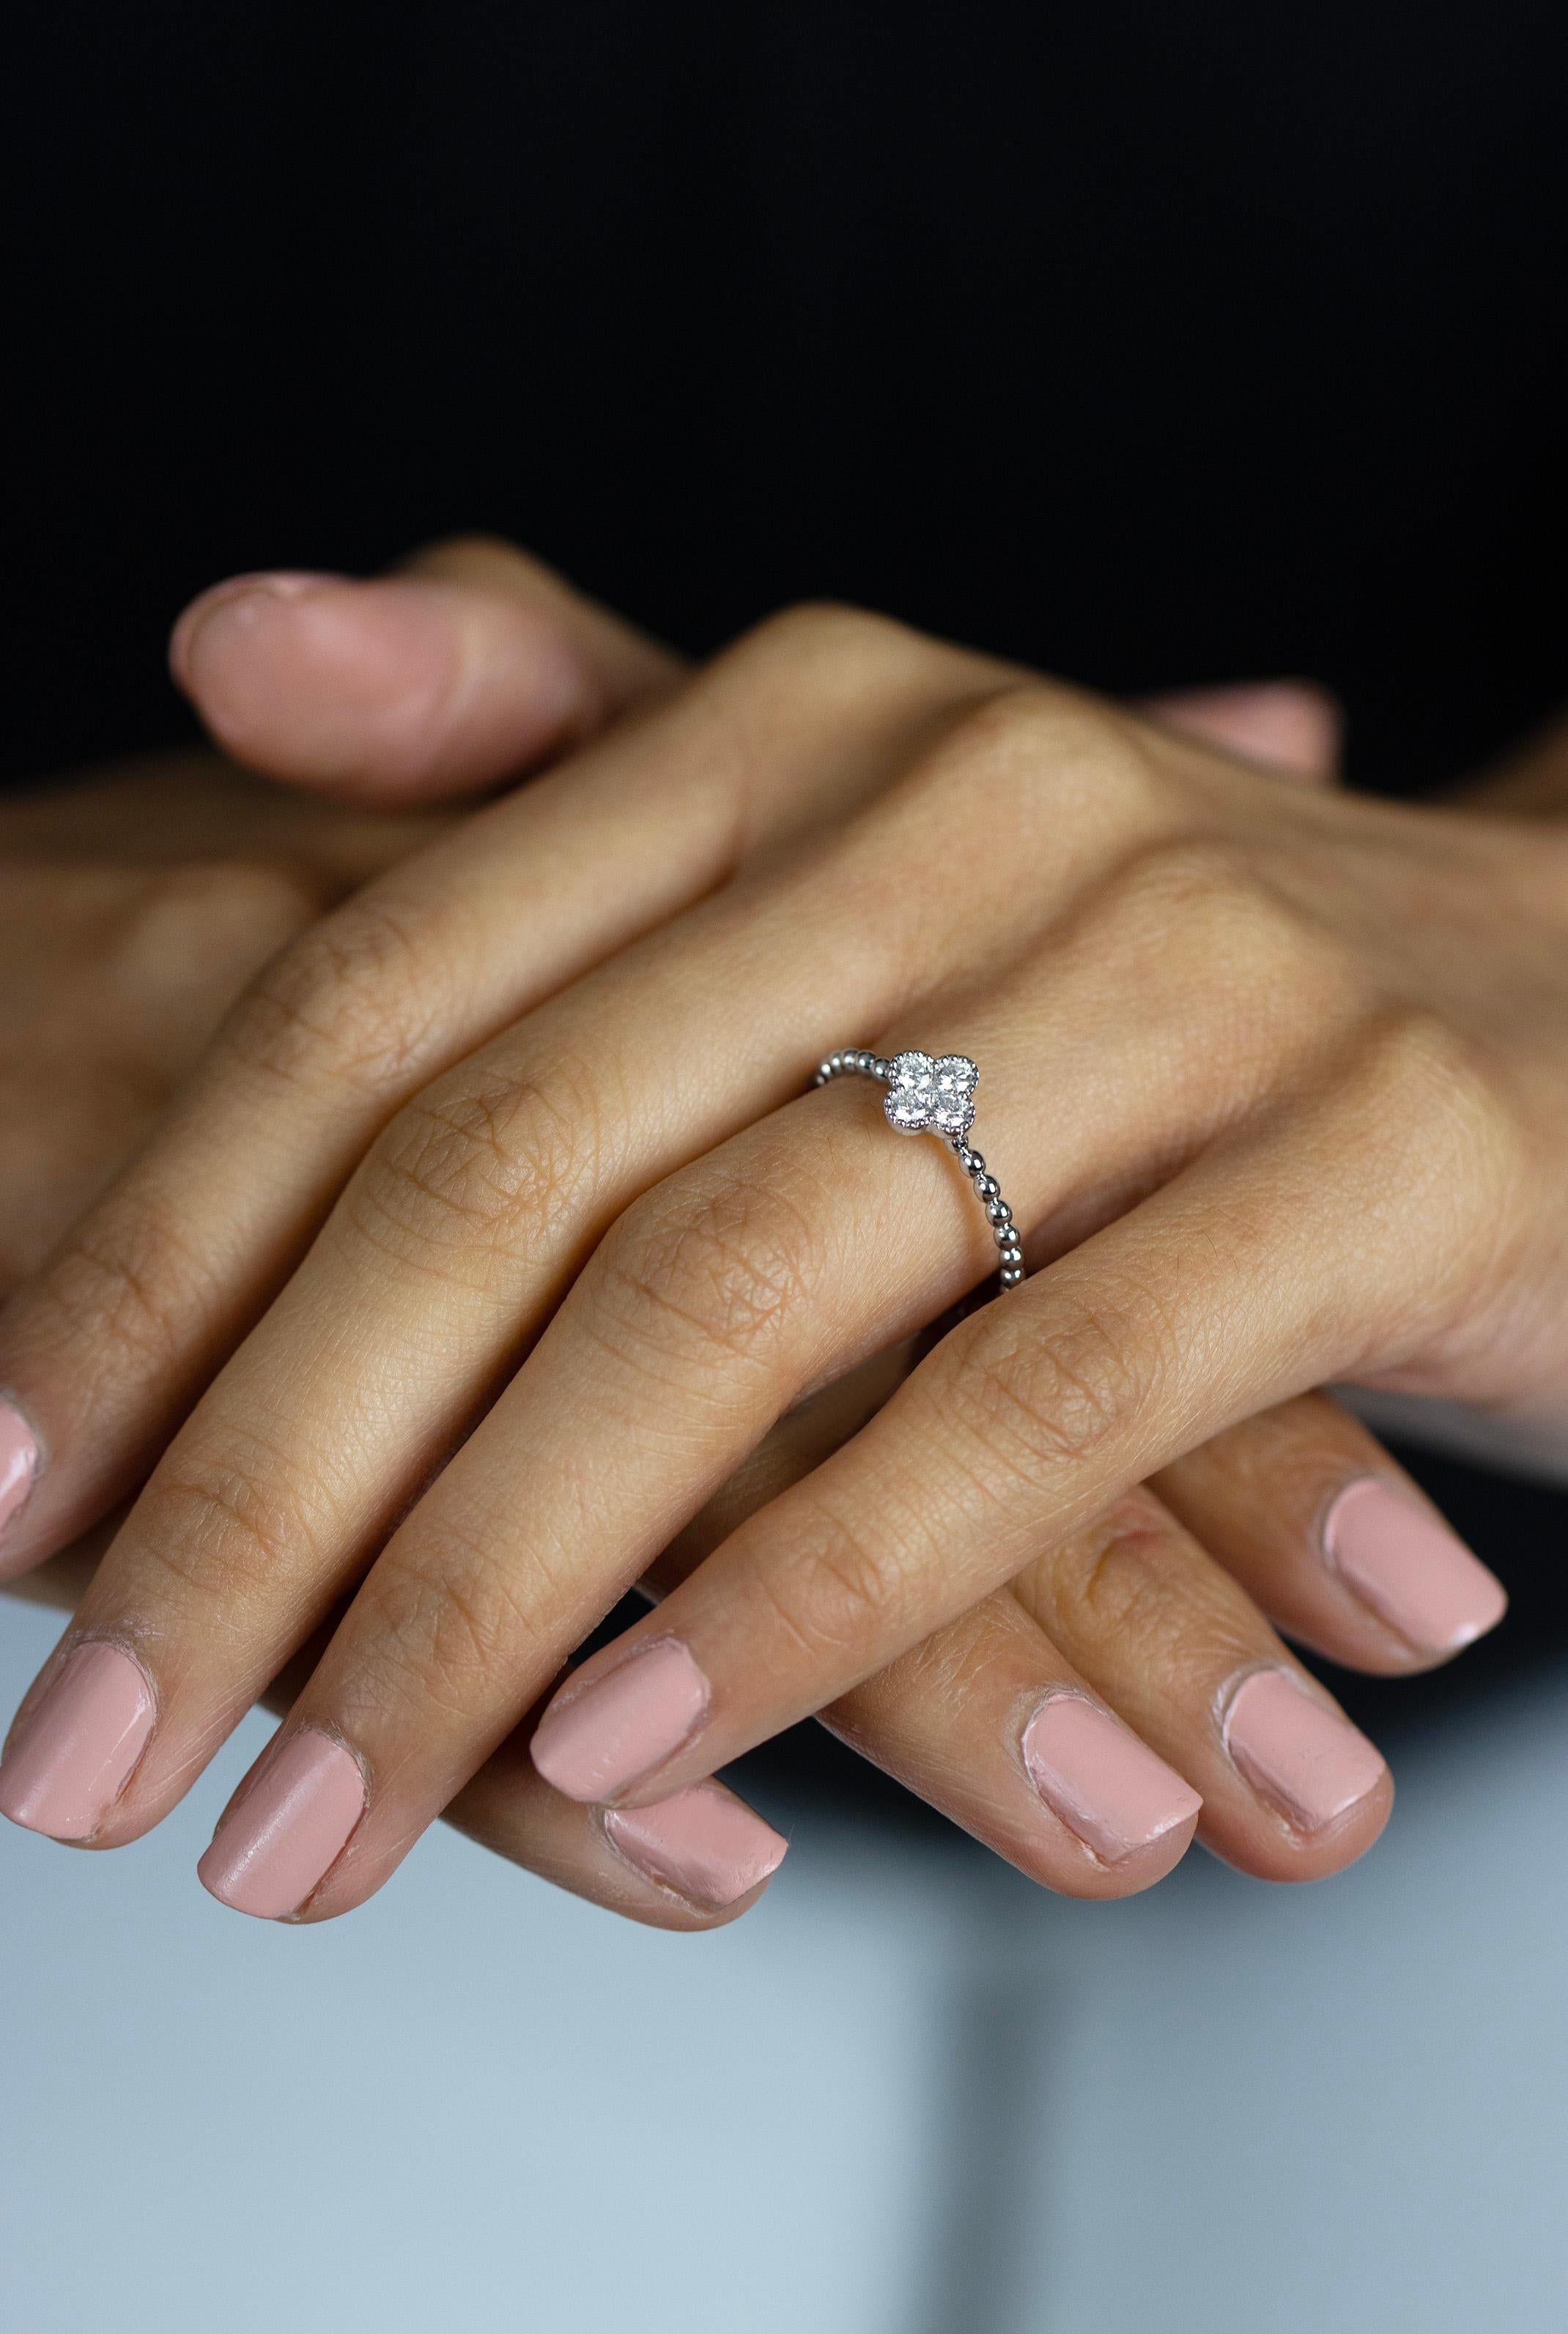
<point x="793" y="775"/>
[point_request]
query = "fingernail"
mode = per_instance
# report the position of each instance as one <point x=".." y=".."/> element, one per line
<point x="18" y="1461"/>
<point x="69" y="1761"/>
<point x="280" y="583"/>
<point x="318" y="668"/>
<point x="1305" y="1759"/>
<point x="706" y="1845"/>
<point x="333" y="679"/>
<point x="287" y="1830"/>
<point x="597" y="1741"/>
<point x="1107" y="1786"/>
<point x="1415" y="1573"/>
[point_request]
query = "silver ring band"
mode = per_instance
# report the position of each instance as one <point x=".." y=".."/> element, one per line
<point x="937" y="1094"/>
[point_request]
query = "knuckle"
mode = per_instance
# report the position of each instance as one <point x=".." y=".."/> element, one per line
<point x="1428" y="1093"/>
<point x="1048" y="748"/>
<point x="840" y="1589"/>
<point x="492" y="1163"/>
<point x="441" y="1628"/>
<point x="1046" y="1402"/>
<point x="1203" y="898"/>
<point x="1122" y="1581"/>
<point x="355" y="999"/>
<point x="228" y="1526"/>
<point x="123" y="1291"/>
<point x="821" y="634"/>
<point x="732" y="1267"/>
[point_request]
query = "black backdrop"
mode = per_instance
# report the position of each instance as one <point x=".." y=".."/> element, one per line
<point x="1154" y="343"/>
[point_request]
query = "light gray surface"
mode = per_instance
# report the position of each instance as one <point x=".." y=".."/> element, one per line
<point x="907" y="2095"/>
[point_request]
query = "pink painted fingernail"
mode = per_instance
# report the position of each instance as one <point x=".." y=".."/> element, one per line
<point x="1107" y="1786"/>
<point x="595" y="1742"/>
<point x="73" y="1755"/>
<point x="1304" y="1758"/>
<point x="706" y="1845"/>
<point x="1416" y="1574"/>
<point x="18" y="1461"/>
<point x="287" y="1830"/>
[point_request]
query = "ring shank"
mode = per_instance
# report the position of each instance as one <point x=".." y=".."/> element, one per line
<point x="860" y="1063"/>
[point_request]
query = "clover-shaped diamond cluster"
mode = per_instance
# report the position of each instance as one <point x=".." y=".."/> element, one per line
<point x="926" y="1092"/>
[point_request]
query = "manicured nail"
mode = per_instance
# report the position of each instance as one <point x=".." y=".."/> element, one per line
<point x="1107" y="1786"/>
<point x="287" y="1830"/>
<point x="1305" y="1759"/>
<point x="69" y="1761"/>
<point x="706" y="1845"/>
<point x="1416" y="1574"/>
<point x="596" y="1743"/>
<point x="18" y="1461"/>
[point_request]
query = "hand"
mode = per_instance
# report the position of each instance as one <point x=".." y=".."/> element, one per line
<point x="135" y="905"/>
<point x="139" y="900"/>
<point x="979" y="687"/>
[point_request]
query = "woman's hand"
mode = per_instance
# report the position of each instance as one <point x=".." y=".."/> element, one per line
<point x="135" y="904"/>
<point x="822" y="709"/>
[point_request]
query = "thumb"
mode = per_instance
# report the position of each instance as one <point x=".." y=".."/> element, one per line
<point x="469" y="666"/>
<point x="1290" y="725"/>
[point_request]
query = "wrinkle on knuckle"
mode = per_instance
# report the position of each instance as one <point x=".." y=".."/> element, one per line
<point x="123" y="1291"/>
<point x="494" y="1164"/>
<point x="446" y="1629"/>
<point x="354" y="1000"/>
<point x="1120" y="1580"/>
<point x="233" y="1527"/>
<point x="1054" y="1401"/>
<point x="840" y="1590"/>
<point x="732" y="1270"/>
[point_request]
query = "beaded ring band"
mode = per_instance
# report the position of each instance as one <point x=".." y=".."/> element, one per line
<point x="937" y="1094"/>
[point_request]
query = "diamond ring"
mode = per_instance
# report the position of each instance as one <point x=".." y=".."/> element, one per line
<point x="938" y="1093"/>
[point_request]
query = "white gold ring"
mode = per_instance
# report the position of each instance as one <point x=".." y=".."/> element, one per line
<point x="937" y="1094"/>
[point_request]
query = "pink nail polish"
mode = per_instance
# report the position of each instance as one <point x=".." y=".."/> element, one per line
<point x="706" y="1845"/>
<point x="1305" y="1759"/>
<point x="1415" y="1573"/>
<point x="287" y="1830"/>
<point x="18" y="1461"/>
<point x="69" y="1761"/>
<point x="597" y="1741"/>
<point x="1107" y="1787"/>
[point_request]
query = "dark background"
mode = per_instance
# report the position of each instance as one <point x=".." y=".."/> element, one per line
<point x="1155" y="344"/>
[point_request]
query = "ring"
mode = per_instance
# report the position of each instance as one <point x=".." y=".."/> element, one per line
<point x="936" y="1095"/>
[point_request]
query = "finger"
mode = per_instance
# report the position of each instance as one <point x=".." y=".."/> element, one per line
<point x="1196" y="1309"/>
<point x="1293" y="726"/>
<point x="297" y="1464"/>
<point x="471" y="665"/>
<point x="1135" y="1600"/>
<point x="1120" y="1734"/>
<point x="694" y="1861"/>
<point x="1333" y="1539"/>
<point x="106" y="1351"/>
<point x="709" y="1310"/>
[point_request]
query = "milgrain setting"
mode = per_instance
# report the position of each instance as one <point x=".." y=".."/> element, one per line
<point x="935" y="1093"/>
